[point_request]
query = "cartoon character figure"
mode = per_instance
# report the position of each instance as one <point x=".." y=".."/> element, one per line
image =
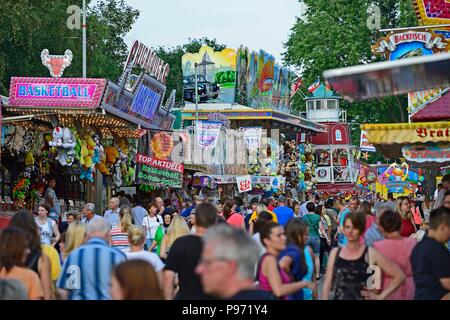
<point x="396" y="172"/>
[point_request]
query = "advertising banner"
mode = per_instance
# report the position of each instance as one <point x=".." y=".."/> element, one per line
<point x="244" y="183"/>
<point x="252" y="137"/>
<point x="261" y="83"/>
<point x="430" y="152"/>
<point x="208" y="133"/>
<point x="69" y="93"/>
<point x="364" y="143"/>
<point x="216" y="75"/>
<point x="158" y="172"/>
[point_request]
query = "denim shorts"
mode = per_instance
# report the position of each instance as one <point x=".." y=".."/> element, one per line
<point x="314" y="242"/>
<point x="148" y="243"/>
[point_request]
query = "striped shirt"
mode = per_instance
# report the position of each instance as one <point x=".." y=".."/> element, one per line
<point x="119" y="240"/>
<point x="86" y="273"/>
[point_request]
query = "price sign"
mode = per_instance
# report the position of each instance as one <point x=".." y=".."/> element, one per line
<point x="244" y="183"/>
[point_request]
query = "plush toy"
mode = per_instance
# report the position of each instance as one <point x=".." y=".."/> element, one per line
<point x="57" y="135"/>
<point x="111" y="155"/>
<point x="29" y="159"/>
<point x="117" y="175"/>
<point x="68" y="145"/>
<point x="86" y="174"/>
<point x="101" y="166"/>
<point x="97" y="149"/>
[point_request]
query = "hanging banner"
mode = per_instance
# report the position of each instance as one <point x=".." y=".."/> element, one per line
<point x="244" y="183"/>
<point x="208" y="133"/>
<point x="158" y="172"/>
<point x="252" y="137"/>
<point x="364" y="143"/>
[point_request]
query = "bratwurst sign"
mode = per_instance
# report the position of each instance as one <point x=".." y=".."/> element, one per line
<point x="158" y="172"/>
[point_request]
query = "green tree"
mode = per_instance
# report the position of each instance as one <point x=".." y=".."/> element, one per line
<point x="28" y="27"/>
<point x="334" y="34"/>
<point x="173" y="55"/>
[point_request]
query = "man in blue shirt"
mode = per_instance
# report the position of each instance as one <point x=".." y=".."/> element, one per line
<point x="197" y="201"/>
<point x="86" y="274"/>
<point x="112" y="215"/>
<point x="283" y="212"/>
<point x="138" y="211"/>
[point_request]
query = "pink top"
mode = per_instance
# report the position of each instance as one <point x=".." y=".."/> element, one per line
<point x="369" y="221"/>
<point x="416" y="215"/>
<point x="399" y="252"/>
<point x="264" y="282"/>
<point x="236" y="220"/>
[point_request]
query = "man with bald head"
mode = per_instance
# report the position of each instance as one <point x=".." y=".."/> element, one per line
<point x="112" y="215"/>
<point x="159" y="205"/>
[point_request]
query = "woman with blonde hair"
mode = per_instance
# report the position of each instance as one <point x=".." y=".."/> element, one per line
<point x="260" y="208"/>
<point x="75" y="236"/>
<point x="404" y="209"/>
<point x="119" y="234"/>
<point x="178" y="228"/>
<point x="136" y="237"/>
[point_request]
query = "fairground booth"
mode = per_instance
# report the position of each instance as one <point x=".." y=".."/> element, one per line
<point x="84" y="132"/>
<point x="247" y="95"/>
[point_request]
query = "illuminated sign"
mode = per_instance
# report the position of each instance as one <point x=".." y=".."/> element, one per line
<point x="410" y="44"/>
<point x="62" y="92"/>
<point x="432" y="12"/>
<point x="427" y="152"/>
<point x="142" y="56"/>
<point x="433" y="133"/>
<point x="147" y="97"/>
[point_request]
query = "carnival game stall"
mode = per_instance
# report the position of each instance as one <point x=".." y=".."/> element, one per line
<point x="85" y="132"/>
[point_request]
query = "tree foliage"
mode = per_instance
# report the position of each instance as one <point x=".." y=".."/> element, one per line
<point x="334" y="34"/>
<point x="173" y="57"/>
<point x="28" y="27"/>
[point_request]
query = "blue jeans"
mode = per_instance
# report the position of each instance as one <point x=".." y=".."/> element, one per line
<point x="314" y="242"/>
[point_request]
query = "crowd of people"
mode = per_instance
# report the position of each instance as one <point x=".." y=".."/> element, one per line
<point x="271" y="248"/>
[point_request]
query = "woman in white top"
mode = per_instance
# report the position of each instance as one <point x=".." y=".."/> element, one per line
<point x="136" y="237"/>
<point x="263" y="218"/>
<point x="151" y="222"/>
<point x="47" y="227"/>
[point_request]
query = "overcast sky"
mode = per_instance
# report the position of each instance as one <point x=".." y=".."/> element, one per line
<point x="257" y="24"/>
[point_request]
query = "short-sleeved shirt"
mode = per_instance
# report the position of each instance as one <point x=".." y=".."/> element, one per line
<point x="113" y="217"/>
<point x="283" y="214"/>
<point x="183" y="258"/>
<point x="236" y="220"/>
<point x="372" y="235"/>
<point x="298" y="271"/>
<point x="138" y="215"/>
<point x="86" y="273"/>
<point x="55" y="264"/>
<point x="29" y="279"/>
<point x="151" y="224"/>
<point x="150" y="257"/>
<point x="254" y="216"/>
<point x="119" y="240"/>
<point x="312" y="220"/>
<point x="430" y="262"/>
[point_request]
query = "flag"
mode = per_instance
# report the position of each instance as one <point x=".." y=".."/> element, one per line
<point x="295" y="86"/>
<point x="314" y="86"/>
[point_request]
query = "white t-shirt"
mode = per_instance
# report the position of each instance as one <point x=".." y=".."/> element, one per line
<point x="257" y="238"/>
<point x="147" y="256"/>
<point x="45" y="230"/>
<point x="152" y="225"/>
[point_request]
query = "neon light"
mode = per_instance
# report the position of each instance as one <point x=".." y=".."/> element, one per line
<point x="62" y="92"/>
